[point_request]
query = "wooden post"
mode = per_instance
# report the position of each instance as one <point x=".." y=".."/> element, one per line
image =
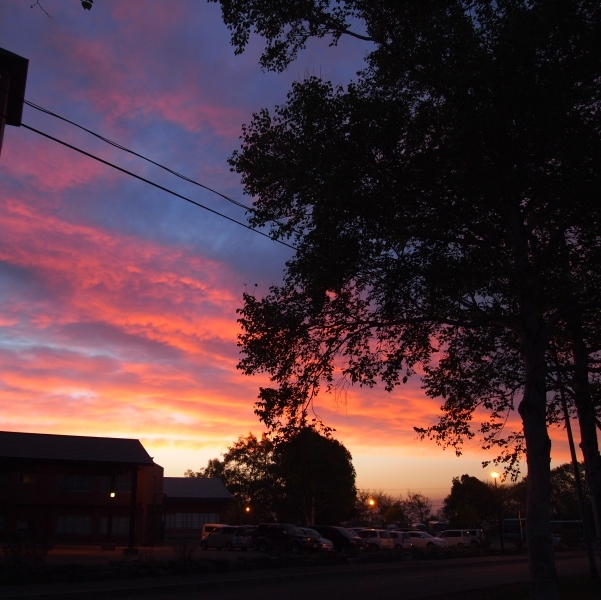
<point x="133" y="509"/>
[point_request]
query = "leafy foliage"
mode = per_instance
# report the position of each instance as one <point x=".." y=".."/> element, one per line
<point x="305" y="478"/>
<point x="247" y="470"/>
<point x="471" y="502"/>
<point x="444" y="210"/>
<point x="378" y="509"/>
<point x="396" y="188"/>
<point x="317" y="477"/>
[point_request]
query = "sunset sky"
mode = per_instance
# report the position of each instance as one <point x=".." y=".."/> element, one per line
<point x="118" y="311"/>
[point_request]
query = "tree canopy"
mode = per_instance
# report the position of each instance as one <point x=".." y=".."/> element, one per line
<point x="247" y="470"/>
<point x="444" y="207"/>
<point x="317" y="478"/>
<point x="470" y="503"/>
<point x="306" y="478"/>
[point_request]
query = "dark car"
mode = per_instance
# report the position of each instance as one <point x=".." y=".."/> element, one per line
<point x="284" y="536"/>
<point x="343" y="539"/>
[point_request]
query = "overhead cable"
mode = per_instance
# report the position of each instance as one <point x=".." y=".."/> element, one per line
<point x="120" y="147"/>
<point x="156" y="185"/>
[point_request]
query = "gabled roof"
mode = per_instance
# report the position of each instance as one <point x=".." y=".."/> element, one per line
<point x="201" y="488"/>
<point x="44" y="446"/>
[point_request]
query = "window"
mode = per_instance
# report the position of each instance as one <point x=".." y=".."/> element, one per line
<point x="189" y="520"/>
<point x="27" y="478"/>
<point x="452" y="534"/>
<point x="74" y="525"/>
<point x="120" y="525"/>
<point x="122" y="483"/>
<point x="75" y="483"/>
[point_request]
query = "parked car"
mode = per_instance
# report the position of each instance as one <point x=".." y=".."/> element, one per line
<point x="459" y="538"/>
<point x="378" y="539"/>
<point x="228" y="537"/>
<point x="326" y="545"/>
<point x="476" y="536"/>
<point x="283" y="536"/>
<point x="401" y="540"/>
<point x="208" y="527"/>
<point x="424" y="541"/>
<point x="343" y="539"/>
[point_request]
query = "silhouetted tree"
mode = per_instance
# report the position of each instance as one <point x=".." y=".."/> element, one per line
<point x="317" y="478"/>
<point x="470" y="502"/>
<point x="247" y="469"/>
<point x="304" y="478"/>
<point x="433" y="201"/>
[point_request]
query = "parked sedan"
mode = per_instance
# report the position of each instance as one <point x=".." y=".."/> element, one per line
<point x="283" y="536"/>
<point x="401" y="540"/>
<point x="378" y="539"/>
<point x="227" y="537"/>
<point x="343" y="539"/>
<point x="325" y="544"/>
<point x="424" y="541"/>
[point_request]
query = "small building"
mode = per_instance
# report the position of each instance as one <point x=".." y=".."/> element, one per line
<point x="190" y="502"/>
<point x="76" y="489"/>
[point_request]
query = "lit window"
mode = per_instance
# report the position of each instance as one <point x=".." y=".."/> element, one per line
<point x="27" y="478"/>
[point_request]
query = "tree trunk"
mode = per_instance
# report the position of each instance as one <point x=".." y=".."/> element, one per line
<point x="538" y="452"/>
<point x="586" y="418"/>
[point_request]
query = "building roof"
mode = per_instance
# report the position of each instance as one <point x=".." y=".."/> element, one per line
<point x="201" y="488"/>
<point x="44" y="446"/>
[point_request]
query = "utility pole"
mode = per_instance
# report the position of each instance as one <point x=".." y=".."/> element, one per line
<point x="13" y="77"/>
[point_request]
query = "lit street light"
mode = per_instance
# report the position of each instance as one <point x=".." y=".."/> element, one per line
<point x="372" y="504"/>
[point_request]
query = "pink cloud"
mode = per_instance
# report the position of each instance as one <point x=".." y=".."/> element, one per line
<point x="126" y="81"/>
<point x="50" y="169"/>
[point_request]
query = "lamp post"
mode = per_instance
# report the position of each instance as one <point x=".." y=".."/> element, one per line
<point x="247" y="511"/>
<point x="496" y="476"/>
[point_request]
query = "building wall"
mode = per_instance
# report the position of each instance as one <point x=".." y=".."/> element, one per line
<point x="60" y="502"/>
<point x="184" y="518"/>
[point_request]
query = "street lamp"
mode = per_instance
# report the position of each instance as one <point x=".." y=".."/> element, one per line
<point x="372" y="504"/>
<point x="496" y="476"/>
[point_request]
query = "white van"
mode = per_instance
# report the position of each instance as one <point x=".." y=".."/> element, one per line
<point x="460" y="538"/>
<point x="208" y="527"/>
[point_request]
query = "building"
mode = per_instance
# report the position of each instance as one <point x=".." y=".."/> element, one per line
<point x="75" y="489"/>
<point x="190" y="502"/>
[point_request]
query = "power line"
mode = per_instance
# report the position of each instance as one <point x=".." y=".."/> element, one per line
<point x="120" y="147"/>
<point x="156" y="185"/>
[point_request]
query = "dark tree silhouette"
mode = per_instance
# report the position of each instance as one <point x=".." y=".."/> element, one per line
<point x="306" y="478"/>
<point x="449" y="195"/>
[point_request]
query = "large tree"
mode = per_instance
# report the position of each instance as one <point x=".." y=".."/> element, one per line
<point x="306" y="477"/>
<point x="247" y="470"/>
<point x="317" y="477"/>
<point x="445" y="202"/>
<point x="471" y="502"/>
